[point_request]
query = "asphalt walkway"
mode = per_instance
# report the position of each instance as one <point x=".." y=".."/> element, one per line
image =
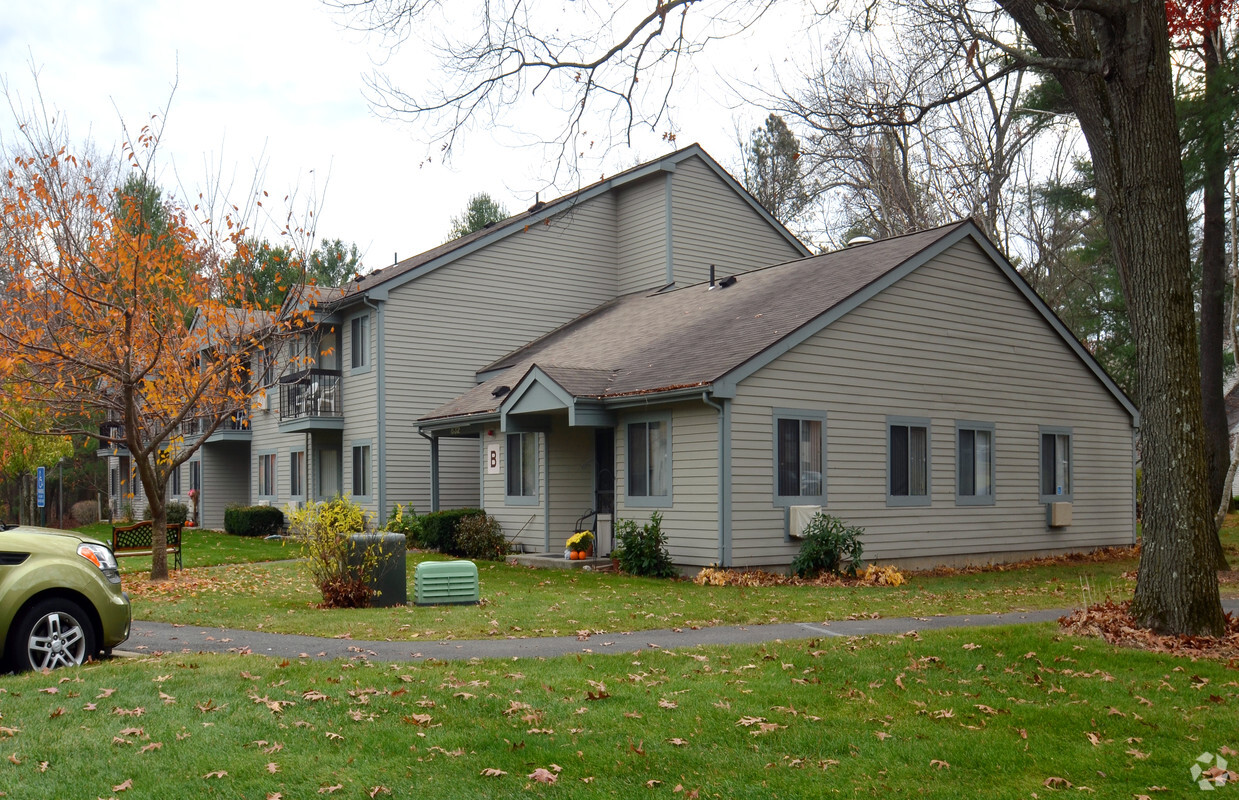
<point x="158" y="637"/>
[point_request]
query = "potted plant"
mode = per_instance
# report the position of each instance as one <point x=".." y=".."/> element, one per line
<point x="580" y="545"/>
<point x="193" y="503"/>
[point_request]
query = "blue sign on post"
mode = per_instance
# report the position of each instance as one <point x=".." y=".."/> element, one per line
<point x="41" y="486"/>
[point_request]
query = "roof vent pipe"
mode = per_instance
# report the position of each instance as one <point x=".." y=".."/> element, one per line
<point x="711" y="278"/>
<point x="855" y="240"/>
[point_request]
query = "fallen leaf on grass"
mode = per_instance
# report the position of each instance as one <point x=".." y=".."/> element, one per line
<point x="492" y="772"/>
<point x="677" y="741"/>
<point x="939" y="764"/>
<point x="152" y="746"/>
<point x="1057" y="783"/>
<point x="121" y="787"/>
<point x="219" y="773"/>
<point x="330" y="789"/>
<point x="1134" y="753"/>
<point x="377" y="790"/>
<point x="668" y="704"/>
<point x="275" y="796"/>
<point x="543" y="776"/>
<point x="272" y="767"/>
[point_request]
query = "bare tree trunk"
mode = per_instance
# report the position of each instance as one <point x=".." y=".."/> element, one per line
<point x="1213" y="298"/>
<point x="1126" y="112"/>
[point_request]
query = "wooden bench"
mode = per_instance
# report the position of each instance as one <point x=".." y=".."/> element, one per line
<point x="137" y="540"/>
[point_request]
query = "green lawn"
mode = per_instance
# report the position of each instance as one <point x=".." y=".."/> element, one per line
<point x="203" y="548"/>
<point x="993" y="713"/>
<point x="518" y="601"/>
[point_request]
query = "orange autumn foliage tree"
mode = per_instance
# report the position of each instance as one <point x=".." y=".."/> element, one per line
<point x="117" y="314"/>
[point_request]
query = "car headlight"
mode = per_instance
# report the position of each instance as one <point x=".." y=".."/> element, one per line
<point x="102" y="558"/>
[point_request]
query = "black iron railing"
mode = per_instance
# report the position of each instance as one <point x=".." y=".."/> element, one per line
<point x="311" y="393"/>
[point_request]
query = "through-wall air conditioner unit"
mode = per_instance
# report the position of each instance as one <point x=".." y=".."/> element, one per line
<point x="1058" y="515"/>
<point x="800" y="518"/>
<point x="262" y="401"/>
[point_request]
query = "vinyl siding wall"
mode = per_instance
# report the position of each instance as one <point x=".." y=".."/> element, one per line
<point x="711" y="224"/>
<point x="526" y="520"/>
<point x="225" y="481"/>
<point x="359" y="393"/>
<point x="952" y="341"/>
<point x="442" y="327"/>
<point x="641" y="235"/>
<point x="691" y="524"/>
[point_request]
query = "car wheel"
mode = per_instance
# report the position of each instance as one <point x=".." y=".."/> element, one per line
<point x="53" y="633"/>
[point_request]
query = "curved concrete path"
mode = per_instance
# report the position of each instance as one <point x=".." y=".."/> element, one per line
<point x="159" y="637"/>
<point x="147" y="638"/>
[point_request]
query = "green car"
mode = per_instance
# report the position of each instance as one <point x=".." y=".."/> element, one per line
<point x="60" y="599"/>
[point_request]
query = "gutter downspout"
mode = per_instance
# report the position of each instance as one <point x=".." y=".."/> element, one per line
<point x="724" y="477"/>
<point x="434" y="468"/>
<point x="380" y="380"/>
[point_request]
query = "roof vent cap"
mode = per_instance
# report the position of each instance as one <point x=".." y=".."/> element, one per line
<point x="500" y="391"/>
<point x="855" y="240"/>
<point x="730" y="280"/>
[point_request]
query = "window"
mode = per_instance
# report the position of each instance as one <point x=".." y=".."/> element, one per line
<point x="799" y="457"/>
<point x="907" y="462"/>
<point x="195" y="475"/>
<point x="174" y="485"/>
<point x="360" y="330"/>
<point x="266" y="475"/>
<point x="361" y="470"/>
<point x="522" y="468"/>
<point x="1055" y="464"/>
<point x="296" y="473"/>
<point x="115" y="481"/>
<point x="649" y="462"/>
<point x="267" y="360"/>
<point x="974" y="463"/>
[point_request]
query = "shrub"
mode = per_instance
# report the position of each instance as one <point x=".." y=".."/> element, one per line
<point x="481" y="536"/>
<point x="439" y="528"/>
<point x="828" y="542"/>
<point x="338" y="565"/>
<point x="177" y="512"/>
<point x="85" y="512"/>
<point x="404" y="519"/>
<point x="643" y="550"/>
<point x="253" y="520"/>
<point x="126" y="513"/>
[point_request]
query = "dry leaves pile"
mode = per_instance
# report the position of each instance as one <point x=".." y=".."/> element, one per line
<point x="873" y="575"/>
<point x="1111" y="621"/>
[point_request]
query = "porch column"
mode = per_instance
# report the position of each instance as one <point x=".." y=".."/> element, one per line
<point x="434" y="473"/>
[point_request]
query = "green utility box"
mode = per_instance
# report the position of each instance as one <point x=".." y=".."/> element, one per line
<point x="437" y="583"/>
<point x="385" y="571"/>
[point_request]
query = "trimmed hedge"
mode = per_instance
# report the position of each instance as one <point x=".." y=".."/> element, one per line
<point x="253" y="520"/>
<point x="439" y="529"/>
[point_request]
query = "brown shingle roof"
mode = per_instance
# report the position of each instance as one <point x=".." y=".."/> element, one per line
<point x="650" y="342"/>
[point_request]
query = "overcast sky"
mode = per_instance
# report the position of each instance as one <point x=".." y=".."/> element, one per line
<point x="281" y="80"/>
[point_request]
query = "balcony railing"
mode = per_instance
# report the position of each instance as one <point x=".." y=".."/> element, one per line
<point x="196" y="426"/>
<point x="311" y="393"/>
<point x="111" y="428"/>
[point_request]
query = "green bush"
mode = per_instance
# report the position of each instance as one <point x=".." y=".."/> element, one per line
<point x="828" y="542"/>
<point x="439" y="528"/>
<point x="177" y="512"/>
<point x="481" y="536"/>
<point x="404" y="519"/>
<point x="642" y="549"/>
<point x="339" y="569"/>
<point x="253" y="520"/>
<point x="84" y="512"/>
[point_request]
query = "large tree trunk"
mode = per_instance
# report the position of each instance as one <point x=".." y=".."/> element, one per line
<point x="1127" y="115"/>
<point x="1213" y="296"/>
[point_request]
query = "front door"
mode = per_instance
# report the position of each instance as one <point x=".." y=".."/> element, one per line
<point x="604" y="487"/>
<point x="328" y="474"/>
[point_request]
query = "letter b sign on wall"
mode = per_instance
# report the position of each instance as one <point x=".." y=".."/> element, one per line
<point x="493" y="462"/>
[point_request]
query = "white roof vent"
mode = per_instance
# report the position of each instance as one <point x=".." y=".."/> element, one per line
<point x="855" y="240"/>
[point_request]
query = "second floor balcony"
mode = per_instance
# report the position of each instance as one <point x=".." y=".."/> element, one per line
<point x="311" y="400"/>
<point x="234" y="427"/>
